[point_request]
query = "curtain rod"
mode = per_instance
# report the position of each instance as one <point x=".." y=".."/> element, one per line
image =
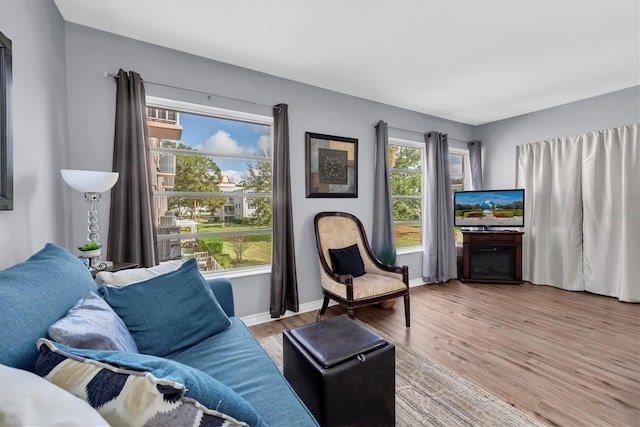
<point x="209" y="95"/>
<point x="419" y="133"/>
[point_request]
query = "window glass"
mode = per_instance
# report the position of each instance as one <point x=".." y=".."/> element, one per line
<point x="406" y="165"/>
<point x="458" y="167"/>
<point x="212" y="187"/>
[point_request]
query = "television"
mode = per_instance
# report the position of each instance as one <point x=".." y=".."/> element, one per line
<point x="489" y="208"/>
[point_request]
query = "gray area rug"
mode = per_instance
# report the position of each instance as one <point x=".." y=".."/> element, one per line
<point x="428" y="395"/>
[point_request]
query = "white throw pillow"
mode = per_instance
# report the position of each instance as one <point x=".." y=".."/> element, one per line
<point x="29" y="400"/>
<point x="125" y="277"/>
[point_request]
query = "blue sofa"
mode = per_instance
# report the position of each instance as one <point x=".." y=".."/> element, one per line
<point x="40" y="291"/>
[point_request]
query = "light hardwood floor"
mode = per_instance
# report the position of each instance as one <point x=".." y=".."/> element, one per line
<point x="565" y="358"/>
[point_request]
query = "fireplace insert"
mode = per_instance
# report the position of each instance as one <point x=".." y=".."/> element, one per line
<point x="492" y="262"/>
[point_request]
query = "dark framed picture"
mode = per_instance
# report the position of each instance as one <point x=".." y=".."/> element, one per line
<point x="332" y="166"/>
<point x="6" y="128"/>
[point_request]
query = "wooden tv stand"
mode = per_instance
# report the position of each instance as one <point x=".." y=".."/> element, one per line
<point x="492" y="257"/>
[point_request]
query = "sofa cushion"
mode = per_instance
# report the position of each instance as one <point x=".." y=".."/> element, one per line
<point x="169" y="312"/>
<point x="235" y="357"/>
<point x="34" y="294"/>
<point x="136" y="389"/>
<point x="347" y="261"/>
<point x="93" y="324"/>
<point x="132" y="275"/>
<point x="28" y="400"/>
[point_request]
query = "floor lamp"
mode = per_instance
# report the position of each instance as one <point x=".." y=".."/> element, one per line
<point x="92" y="184"/>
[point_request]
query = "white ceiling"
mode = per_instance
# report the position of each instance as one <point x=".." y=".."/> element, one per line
<point x="469" y="61"/>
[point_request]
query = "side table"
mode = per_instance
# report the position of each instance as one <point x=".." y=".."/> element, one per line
<point x="343" y="372"/>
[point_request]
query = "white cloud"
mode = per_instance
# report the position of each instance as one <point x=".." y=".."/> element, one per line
<point x="222" y="142"/>
<point x="264" y="144"/>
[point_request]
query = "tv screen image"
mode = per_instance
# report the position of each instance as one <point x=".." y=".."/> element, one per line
<point x="489" y="208"/>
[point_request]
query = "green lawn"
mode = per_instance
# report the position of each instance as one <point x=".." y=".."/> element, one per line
<point x="408" y="235"/>
<point x="257" y="253"/>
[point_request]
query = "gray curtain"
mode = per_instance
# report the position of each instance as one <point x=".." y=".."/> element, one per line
<point x="284" y="282"/>
<point x="383" y="240"/>
<point x="132" y="233"/>
<point x="475" y="160"/>
<point x="439" y="255"/>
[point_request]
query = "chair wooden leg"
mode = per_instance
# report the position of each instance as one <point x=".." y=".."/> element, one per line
<point x="407" y="317"/>
<point x="325" y="304"/>
<point x="351" y="312"/>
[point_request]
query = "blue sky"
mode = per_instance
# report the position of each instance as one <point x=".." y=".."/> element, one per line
<point x="497" y="197"/>
<point x="225" y="136"/>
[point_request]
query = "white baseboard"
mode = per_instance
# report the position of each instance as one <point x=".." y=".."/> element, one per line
<point x="256" y="319"/>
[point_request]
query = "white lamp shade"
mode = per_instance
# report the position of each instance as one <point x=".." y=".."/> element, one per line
<point x="89" y="181"/>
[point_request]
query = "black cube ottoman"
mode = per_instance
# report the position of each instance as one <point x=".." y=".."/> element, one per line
<point x="343" y="372"/>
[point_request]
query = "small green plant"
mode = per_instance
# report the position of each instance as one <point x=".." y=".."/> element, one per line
<point x="91" y="246"/>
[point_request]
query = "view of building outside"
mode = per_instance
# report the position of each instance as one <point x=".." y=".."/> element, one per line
<point x="212" y="188"/>
<point x="406" y="162"/>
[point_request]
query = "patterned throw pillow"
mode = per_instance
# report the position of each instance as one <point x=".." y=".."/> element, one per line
<point x="129" y="389"/>
<point x="93" y="324"/>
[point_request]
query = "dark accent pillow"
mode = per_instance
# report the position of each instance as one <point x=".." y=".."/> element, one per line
<point x="347" y="261"/>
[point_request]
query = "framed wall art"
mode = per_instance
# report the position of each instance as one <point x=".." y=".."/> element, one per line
<point x="6" y="129"/>
<point x="331" y="165"/>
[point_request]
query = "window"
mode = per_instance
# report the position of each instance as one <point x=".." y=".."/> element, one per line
<point x="211" y="174"/>
<point x="406" y="163"/>
<point x="406" y="160"/>
<point x="457" y="167"/>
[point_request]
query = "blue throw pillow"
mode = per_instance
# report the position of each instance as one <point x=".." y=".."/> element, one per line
<point x="347" y="261"/>
<point x="34" y="294"/>
<point x="138" y="389"/>
<point x="93" y="324"/>
<point x="170" y="312"/>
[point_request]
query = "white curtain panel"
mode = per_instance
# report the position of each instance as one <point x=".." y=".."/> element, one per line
<point x="582" y="212"/>
<point x="552" y="240"/>
<point x="611" y="206"/>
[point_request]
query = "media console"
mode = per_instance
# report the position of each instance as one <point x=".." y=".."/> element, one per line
<point x="492" y="257"/>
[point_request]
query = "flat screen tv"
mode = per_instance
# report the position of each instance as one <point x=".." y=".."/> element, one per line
<point x="489" y="208"/>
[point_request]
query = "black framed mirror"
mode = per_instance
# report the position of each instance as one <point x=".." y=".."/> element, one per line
<point x="6" y="126"/>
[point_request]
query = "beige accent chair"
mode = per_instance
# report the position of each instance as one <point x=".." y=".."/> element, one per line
<point x="335" y="230"/>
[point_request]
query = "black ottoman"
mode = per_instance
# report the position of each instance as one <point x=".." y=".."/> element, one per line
<point x="343" y="372"/>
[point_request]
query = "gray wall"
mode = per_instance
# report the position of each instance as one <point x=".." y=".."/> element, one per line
<point x="91" y="99"/>
<point x="39" y="129"/>
<point x="499" y="139"/>
<point x="48" y="93"/>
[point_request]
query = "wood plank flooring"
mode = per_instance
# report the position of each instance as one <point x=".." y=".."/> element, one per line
<point x="565" y="358"/>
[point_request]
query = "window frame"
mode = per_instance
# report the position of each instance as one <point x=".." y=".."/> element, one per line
<point x="466" y="182"/>
<point x="226" y="114"/>
<point x="421" y="147"/>
<point x="466" y="172"/>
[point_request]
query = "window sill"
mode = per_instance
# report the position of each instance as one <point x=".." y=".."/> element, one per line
<point x="232" y="274"/>
<point x="411" y="250"/>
